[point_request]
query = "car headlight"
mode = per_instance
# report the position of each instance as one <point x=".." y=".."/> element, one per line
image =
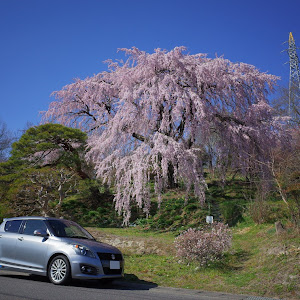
<point x="82" y="250"/>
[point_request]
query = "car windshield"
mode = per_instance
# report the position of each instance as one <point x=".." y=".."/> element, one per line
<point x="65" y="228"/>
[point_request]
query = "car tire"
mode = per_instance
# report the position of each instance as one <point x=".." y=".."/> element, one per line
<point x="59" y="270"/>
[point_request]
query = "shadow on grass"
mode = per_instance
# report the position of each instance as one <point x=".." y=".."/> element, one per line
<point x="135" y="280"/>
<point x="231" y="262"/>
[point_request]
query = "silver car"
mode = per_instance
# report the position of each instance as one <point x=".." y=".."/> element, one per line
<point x="57" y="248"/>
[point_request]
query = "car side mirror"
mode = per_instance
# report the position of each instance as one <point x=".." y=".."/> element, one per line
<point x="40" y="232"/>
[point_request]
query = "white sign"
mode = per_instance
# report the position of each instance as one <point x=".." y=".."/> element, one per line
<point x="209" y="219"/>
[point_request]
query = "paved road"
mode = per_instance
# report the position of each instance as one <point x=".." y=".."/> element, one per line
<point x="19" y="286"/>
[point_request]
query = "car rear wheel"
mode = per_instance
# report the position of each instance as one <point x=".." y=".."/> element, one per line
<point x="59" y="270"/>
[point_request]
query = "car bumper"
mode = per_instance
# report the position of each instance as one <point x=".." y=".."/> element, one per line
<point x="83" y="267"/>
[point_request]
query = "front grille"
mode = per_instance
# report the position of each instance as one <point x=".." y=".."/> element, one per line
<point x="105" y="261"/>
<point x="108" y="256"/>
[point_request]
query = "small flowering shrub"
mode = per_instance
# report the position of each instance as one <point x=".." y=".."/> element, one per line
<point x="204" y="245"/>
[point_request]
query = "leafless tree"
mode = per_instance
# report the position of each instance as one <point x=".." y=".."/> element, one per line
<point x="42" y="191"/>
<point x="6" y="138"/>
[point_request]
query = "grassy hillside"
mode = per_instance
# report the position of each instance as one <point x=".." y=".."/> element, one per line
<point x="260" y="262"/>
<point x="177" y="209"/>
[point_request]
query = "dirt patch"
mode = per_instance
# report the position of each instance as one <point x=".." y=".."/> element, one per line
<point x="136" y="245"/>
<point x="244" y="230"/>
<point x="283" y="250"/>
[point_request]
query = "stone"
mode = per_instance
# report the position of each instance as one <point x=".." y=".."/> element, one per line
<point x="279" y="227"/>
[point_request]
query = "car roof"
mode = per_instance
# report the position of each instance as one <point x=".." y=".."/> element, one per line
<point x="30" y="218"/>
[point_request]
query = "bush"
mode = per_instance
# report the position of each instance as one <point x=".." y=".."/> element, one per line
<point x="232" y="211"/>
<point x="204" y="245"/>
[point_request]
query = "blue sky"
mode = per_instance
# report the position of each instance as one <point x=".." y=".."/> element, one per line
<point x="45" y="44"/>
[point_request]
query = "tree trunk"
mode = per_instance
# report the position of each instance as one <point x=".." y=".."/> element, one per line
<point x="171" y="180"/>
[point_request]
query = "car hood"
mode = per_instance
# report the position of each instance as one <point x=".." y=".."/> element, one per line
<point x="94" y="245"/>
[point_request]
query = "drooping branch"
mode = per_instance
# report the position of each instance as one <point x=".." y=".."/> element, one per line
<point x="229" y="119"/>
<point x="138" y="137"/>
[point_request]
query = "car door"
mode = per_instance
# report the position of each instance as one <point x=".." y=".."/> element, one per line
<point x="8" y="241"/>
<point x="31" y="250"/>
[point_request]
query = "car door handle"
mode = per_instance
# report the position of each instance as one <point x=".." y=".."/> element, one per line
<point x="0" y="236"/>
<point x="21" y="239"/>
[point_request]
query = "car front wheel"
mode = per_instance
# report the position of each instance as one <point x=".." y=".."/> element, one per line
<point x="59" y="271"/>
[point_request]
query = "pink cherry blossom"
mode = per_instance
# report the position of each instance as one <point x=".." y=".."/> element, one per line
<point x="155" y="115"/>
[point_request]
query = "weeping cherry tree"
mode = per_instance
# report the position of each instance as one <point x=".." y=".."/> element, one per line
<point x="153" y="115"/>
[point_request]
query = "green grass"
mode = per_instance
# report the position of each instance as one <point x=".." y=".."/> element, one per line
<point x="259" y="262"/>
<point x="138" y="232"/>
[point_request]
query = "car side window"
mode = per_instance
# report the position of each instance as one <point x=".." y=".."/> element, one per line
<point x="13" y="226"/>
<point x="32" y="225"/>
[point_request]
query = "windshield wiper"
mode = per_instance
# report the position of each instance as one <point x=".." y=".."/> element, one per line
<point x="79" y="237"/>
